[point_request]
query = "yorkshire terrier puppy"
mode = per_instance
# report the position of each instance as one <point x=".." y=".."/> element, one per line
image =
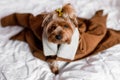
<point x="59" y="27"/>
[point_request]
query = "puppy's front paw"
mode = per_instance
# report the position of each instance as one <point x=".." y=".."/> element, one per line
<point x="54" y="69"/>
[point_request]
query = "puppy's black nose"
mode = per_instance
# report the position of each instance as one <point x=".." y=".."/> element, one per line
<point x="58" y="37"/>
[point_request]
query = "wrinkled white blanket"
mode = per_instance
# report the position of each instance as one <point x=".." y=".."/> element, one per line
<point x="17" y="62"/>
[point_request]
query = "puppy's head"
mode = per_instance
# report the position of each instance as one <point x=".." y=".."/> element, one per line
<point x="59" y="29"/>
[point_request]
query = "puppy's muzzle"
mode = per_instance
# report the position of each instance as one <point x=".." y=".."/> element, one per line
<point x="58" y="37"/>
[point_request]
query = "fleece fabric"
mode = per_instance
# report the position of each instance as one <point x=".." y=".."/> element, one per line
<point x="94" y="36"/>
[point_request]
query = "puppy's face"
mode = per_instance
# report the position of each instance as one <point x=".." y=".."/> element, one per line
<point x="58" y="29"/>
<point x="60" y="32"/>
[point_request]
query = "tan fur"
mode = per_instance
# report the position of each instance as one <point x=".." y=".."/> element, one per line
<point x="63" y="26"/>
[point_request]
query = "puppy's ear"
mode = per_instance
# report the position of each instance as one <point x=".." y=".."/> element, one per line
<point x="69" y="11"/>
<point x="75" y="22"/>
<point x="46" y="20"/>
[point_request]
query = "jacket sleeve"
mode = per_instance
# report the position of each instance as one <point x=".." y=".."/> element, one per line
<point x="92" y="32"/>
<point x="16" y="19"/>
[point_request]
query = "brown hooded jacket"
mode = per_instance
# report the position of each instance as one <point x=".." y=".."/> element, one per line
<point x="94" y="36"/>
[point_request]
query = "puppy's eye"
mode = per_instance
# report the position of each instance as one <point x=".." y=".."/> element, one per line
<point x="53" y="27"/>
<point x="66" y="26"/>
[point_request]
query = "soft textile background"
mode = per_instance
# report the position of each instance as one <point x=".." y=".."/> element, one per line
<point x="17" y="62"/>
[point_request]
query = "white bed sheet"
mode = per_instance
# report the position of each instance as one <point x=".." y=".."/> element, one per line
<point x="17" y="62"/>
